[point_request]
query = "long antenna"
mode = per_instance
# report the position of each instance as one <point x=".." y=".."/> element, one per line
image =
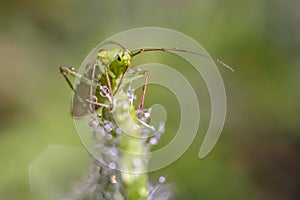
<point x="115" y="43"/>
<point x="139" y="51"/>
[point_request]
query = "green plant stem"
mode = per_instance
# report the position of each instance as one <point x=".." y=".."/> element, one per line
<point x="133" y="157"/>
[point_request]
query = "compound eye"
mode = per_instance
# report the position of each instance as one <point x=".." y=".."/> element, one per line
<point x="118" y="57"/>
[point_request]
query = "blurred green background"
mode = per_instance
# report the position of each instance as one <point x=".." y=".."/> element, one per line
<point x="257" y="156"/>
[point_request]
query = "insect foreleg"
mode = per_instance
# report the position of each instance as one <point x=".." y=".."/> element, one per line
<point x="119" y="84"/>
<point x="65" y="71"/>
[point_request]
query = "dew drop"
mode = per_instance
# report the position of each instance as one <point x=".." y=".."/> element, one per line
<point x="92" y="187"/>
<point x="153" y="141"/>
<point x="93" y="123"/>
<point x="113" y="151"/>
<point x="106" y="150"/>
<point x="147" y="115"/>
<point x="112" y="165"/>
<point x="137" y="162"/>
<point x="162" y="179"/>
<point x="109" y="136"/>
<point x="108" y="127"/>
<point x="118" y="131"/>
<point x="100" y="130"/>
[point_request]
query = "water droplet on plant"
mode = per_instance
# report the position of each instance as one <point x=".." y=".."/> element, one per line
<point x="153" y="141"/>
<point x="93" y="123"/>
<point x="105" y="150"/>
<point x="137" y="162"/>
<point x="92" y="187"/>
<point x="108" y="127"/>
<point x="109" y="136"/>
<point x="162" y="179"/>
<point x="112" y="165"/>
<point x="113" y="151"/>
<point x="118" y="131"/>
<point x="100" y="130"/>
<point x="147" y="115"/>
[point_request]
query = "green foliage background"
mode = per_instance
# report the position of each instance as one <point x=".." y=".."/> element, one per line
<point x="257" y="156"/>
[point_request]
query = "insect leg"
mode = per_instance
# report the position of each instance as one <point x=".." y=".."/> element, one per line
<point x="80" y="107"/>
<point x="110" y="88"/>
<point x="93" y="100"/>
<point x="65" y="71"/>
<point x="91" y="90"/>
<point x="119" y="84"/>
<point x="141" y="104"/>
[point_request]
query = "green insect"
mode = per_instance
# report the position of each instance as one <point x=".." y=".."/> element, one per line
<point x="104" y="77"/>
